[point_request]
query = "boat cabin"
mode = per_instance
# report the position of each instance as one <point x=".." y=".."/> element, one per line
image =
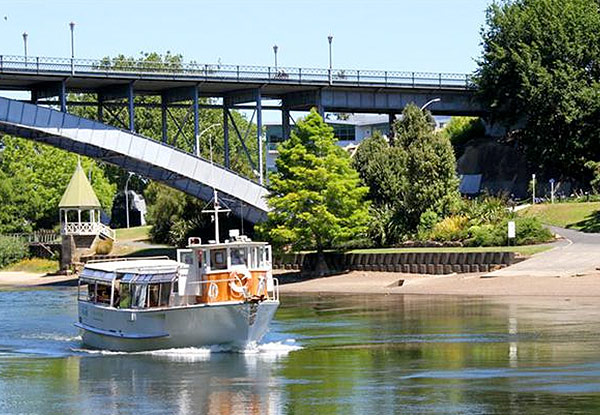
<point x="233" y="271"/>
<point x="238" y="269"/>
<point x="139" y="283"/>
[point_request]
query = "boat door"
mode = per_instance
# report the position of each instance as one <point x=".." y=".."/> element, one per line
<point x="185" y="257"/>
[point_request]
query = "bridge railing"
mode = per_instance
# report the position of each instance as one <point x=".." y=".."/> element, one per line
<point x="233" y="73"/>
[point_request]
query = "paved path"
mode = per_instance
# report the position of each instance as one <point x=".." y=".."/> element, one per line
<point x="579" y="254"/>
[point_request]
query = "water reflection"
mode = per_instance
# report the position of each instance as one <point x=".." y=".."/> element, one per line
<point x="359" y="354"/>
<point x="223" y="383"/>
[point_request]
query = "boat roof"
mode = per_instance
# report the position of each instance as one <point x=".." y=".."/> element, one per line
<point x="133" y="265"/>
<point x="228" y="244"/>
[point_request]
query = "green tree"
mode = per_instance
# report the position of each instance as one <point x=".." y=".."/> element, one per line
<point x="540" y="71"/>
<point x="33" y="178"/>
<point x="431" y="182"/>
<point x="315" y="196"/>
<point x="413" y="173"/>
<point x="381" y="168"/>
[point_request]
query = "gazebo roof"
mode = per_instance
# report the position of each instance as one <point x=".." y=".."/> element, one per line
<point x="79" y="193"/>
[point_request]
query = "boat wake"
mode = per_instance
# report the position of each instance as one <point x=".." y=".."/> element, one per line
<point x="268" y="351"/>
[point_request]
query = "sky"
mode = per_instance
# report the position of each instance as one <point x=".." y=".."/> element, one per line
<point x="411" y="35"/>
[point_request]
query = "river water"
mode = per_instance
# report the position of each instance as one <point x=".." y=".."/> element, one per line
<point x="324" y="355"/>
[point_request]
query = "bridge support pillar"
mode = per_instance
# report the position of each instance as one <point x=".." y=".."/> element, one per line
<point x="196" y="122"/>
<point x="320" y="107"/>
<point x="392" y="120"/>
<point x="163" y="115"/>
<point x="131" y="107"/>
<point x="62" y="96"/>
<point x="285" y="123"/>
<point x="226" y="130"/>
<point x="259" y="135"/>
<point x="100" y="109"/>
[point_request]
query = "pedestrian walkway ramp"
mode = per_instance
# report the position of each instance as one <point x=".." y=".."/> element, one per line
<point x="133" y="152"/>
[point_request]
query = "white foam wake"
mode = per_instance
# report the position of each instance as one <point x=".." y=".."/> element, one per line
<point x="268" y="350"/>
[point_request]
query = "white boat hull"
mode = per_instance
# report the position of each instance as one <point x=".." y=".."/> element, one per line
<point x="233" y="324"/>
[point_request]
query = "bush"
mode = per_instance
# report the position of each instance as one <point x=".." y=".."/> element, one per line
<point x="104" y="247"/>
<point x="12" y="250"/>
<point x="529" y="231"/>
<point x="451" y="228"/>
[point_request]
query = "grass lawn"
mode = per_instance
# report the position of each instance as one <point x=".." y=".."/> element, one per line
<point x="525" y="250"/>
<point x="579" y="216"/>
<point x="34" y="266"/>
<point x="139" y="233"/>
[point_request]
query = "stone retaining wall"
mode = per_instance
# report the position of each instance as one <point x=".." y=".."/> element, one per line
<point x="412" y="262"/>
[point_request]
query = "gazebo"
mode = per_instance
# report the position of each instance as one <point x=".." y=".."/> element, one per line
<point x="80" y="209"/>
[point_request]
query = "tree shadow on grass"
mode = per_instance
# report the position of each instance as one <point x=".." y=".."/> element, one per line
<point x="591" y="224"/>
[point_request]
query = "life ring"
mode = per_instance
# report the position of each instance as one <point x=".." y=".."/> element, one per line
<point x="239" y="284"/>
<point x="213" y="291"/>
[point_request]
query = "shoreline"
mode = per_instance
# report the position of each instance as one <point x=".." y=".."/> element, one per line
<point x="473" y="285"/>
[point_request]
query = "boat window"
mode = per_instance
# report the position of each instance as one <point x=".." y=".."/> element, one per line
<point x="138" y="298"/>
<point x="153" y="291"/>
<point x="238" y="256"/>
<point x="91" y="292"/>
<point x="254" y="257"/>
<point x="102" y="293"/>
<point x="165" y="294"/>
<point x="218" y="259"/>
<point x="124" y="300"/>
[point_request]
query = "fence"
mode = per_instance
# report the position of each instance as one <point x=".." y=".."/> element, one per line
<point x="236" y="73"/>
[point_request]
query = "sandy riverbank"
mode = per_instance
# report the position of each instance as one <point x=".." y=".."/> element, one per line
<point x="24" y="279"/>
<point x="361" y="282"/>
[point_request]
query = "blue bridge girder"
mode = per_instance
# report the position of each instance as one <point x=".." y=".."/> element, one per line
<point x="133" y="152"/>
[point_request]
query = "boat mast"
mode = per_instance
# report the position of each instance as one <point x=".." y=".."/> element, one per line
<point x="215" y="211"/>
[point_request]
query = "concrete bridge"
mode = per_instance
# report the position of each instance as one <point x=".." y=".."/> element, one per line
<point x="230" y="87"/>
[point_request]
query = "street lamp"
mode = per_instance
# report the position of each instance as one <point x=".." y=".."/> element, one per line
<point x="428" y="103"/>
<point x="72" y="26"/>
<point x="275" y="47"/>
<point x="200" y="135"/>
<point x="330" y="38"/>
<point x="25" y="45"/>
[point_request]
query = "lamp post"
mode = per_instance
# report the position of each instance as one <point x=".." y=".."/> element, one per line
<point x="330" y="39"/>
<point x="431" y="101"/>
<point x="200" y="135"/>
<point x="25" y="35"/>
<point x="127" y="199"/>
<point x="275" y="47"/>
<point x="72" y="26"/>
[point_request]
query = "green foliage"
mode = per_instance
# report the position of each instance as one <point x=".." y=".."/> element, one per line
<point x="540" y="70"/>
<point x="315" y="196"/>
<point x="12" y="250"/>
<point x="33" y="178"/>
<point x="430" y="177"/>
<point x="175" y="217"/>
<point x="381" y="169"/>
<point x="528" y="231"/>
<point x="594" y="166"/>
<point x="414" y="173"/>
<point x="427" y="221"/>
<point x="451" y="228"/>
<point x="461" y="130"/>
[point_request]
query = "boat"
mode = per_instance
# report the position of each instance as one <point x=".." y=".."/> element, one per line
<point x="213" y="294"/>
